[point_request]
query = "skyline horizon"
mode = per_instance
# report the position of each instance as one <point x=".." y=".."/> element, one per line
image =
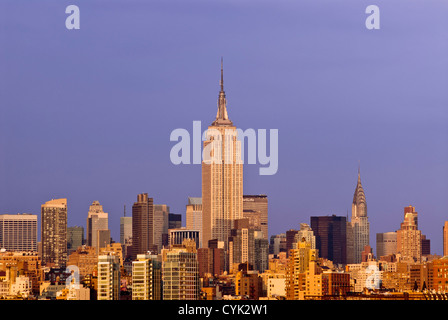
<point x="87" y="114"/>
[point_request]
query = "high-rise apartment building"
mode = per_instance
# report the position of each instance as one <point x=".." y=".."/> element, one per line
<point x="331" y="238"/>
<point x="18" y="232"/>
<point x="211" y="259"/>
<point x="146" y="278"/>
<point x="75" y="238"/>
<point x="193" y="216"/>
<point x="256" y="207"/>
<point x="277" y="243"/>
<point x="409" y="238"/>
<point x="143" y="225"/>
<point x="298" y="264"/>
<point x="359" y="226"/>
<point x="97" y="220"/>
<point x="54" y="232"/>
<point x="222" y="175"/>
<point x="386" y="244"/>
<point x="108" y="277"/>
<point x="180" y="274"/>
<point x="161" y="218"/>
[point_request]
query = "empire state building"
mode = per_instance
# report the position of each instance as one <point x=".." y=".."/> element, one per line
<point x="222" y="176"/>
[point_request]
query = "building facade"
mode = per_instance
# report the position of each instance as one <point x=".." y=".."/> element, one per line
<point x="146" y="278"/>
<point x="54" y="232"/>
<point x="143" y="225"/>
<point x="222" y="175"/>
<point x="108" y="277"/>
<point x="18" y="232"/>
<point x="256" y="206"/>
<point x="97" y="220"/>
<point x="193" y="216"/>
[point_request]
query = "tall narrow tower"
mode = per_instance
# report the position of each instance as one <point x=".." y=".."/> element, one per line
<point x="222" y="175"/>
<point x="359" y="222"/>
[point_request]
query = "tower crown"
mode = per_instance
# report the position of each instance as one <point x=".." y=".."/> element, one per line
<point x="359" y="198"/>
<point x="222" y="118"/>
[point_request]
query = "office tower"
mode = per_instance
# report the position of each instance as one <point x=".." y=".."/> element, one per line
<point x="211" y="259"/>
<point x="97" y="220"/>
<point x="146" y="278"/>
<point x="290" y="240"/>
<point x="298" y="264"/>
<point x="75" y="238"/>
<point x="125" y="233"/>
<point x="174" y="221"/>
<point x="193" y="216"/>
<point x="248" y="246"/>
<point x="445" y="239"/>
<point x="161" y="217"/>
<point x="180" y="273"/>
<point x="256" y="207"/>
<point x="306" y="233"/>
<point x="330" y="232"/>
<point x="277" y="243"/>
<point x="18" y="232"/>
<point x="426" y="246"/>
<point x="108" y="277"/>
<point x="409" y="237"/>
<point x="177" y="236"/>
<point x="386" y="244"/>
<point x="360" y="226"/>
<point x="142" y="225"/>
<point x="261" y="254"/>
<point x="103" y="239"/>
<point x="222" y="175"/>
<point x="54" y="233"/>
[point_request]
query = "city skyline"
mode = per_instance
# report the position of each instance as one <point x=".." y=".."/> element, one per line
<point x="393" y="121"/>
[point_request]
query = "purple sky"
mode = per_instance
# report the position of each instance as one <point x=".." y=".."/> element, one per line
<point x="87" y="114"/>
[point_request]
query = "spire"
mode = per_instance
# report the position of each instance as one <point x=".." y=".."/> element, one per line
<point x="359" y="198"/>
<point x="222" y="118"/>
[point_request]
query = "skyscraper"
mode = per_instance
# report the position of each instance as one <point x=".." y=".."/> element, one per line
<point x="257" y="205"/>
<point x="306" y="233"/>
<point x="18" y="232"/>
<point x="125" y="233"/>
<point x="360" y="226"/>
<point x="222" y="175"/>
<point x="193" y="216"/>
<point x="180" y="273"/>
<point x="75" y="238"/>
<point x="54" y="232"/>
<point x="143" y="225"/>
<point x="161" y="221"/>
<point x="97" y="220"/>
<point x="386" y="244"/>
<point x="331" y="238"/>
<point x="108" y="277"/>
<point x="409" y="238"/>
<point x="445" y="239"/>
<point x="146" y="278"/>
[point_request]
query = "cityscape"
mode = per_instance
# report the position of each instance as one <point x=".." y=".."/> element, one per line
<point x="246" y="153"/>
<point x="221" y="252"/>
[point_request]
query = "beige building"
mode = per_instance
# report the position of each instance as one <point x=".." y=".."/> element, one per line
<point x="108" y="277"/>
<point x="222" y="176"/>
<point x="54" y="232"/>
<point x="146" y="278"/>
<point x="97" y="221"/>
<point x="180" y="272"/>
<point x="85" y="258"/>
<point x="161" y="214"/>
<point x="193" y="216"/>
<point x="409" y="237"/>
<point x="18" y="232"/>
